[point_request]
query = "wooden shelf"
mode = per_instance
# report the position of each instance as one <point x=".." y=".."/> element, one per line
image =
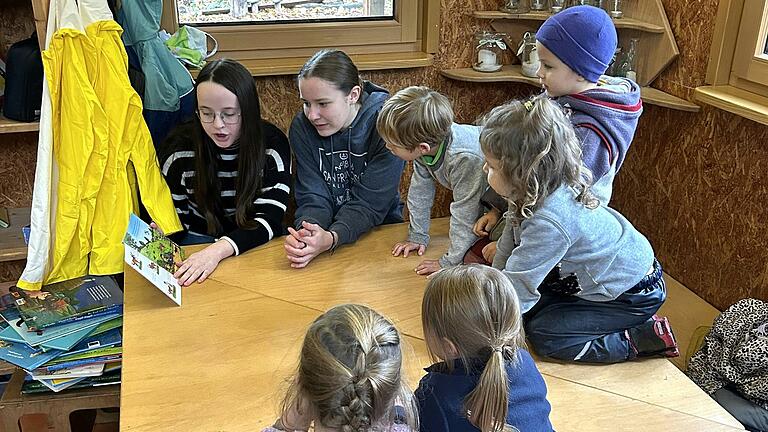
<point x="511" y="73"/>
<point x="621" y="23"/>
<point x="508" y="73"/>
<point x="12" y="126"/>
<point x="12" y="246"/>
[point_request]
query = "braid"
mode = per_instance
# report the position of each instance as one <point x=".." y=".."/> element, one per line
<point x="350" y="370"/>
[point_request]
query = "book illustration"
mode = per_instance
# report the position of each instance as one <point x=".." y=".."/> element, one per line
<point x="154" y="256"/>
<point x="67" y="301"/>
<point x="151" y="243"/>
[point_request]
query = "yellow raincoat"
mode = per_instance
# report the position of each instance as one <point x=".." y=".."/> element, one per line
<point x="97" y="130"/>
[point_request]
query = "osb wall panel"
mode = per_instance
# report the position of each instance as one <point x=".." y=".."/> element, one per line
<point x="695" y="184"/>
<point x="16" y="23"/>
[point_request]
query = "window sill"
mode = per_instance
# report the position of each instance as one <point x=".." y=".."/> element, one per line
<point x="735" y="100"/>
<point x="291" y="65"/>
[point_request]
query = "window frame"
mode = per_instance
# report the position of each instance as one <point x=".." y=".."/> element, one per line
<point x="734" y="80"/>
<point x="733" y="58"/>
<point x="407" y="40"/>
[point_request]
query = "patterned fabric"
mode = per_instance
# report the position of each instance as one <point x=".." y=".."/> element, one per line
<point x="735" y="352"/>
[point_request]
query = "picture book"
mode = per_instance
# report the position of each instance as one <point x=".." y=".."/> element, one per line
<point x="67" y="342"/>
<point x="24" y="356"/>
<point x="154" y="256"/>
<point x="17" y="330"/>
<point x="68" y="301"/>
<point x="79" y="371"/>
<point x="111" y="375"/>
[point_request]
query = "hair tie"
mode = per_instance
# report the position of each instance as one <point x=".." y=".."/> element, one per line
<point x="528" y="105"/>
<point x="498" y="349"/>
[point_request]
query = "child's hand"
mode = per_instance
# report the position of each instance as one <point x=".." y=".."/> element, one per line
<point x="485" y="224"/>
<point x="153" y="225"/>
<point x="406" y="247"/>
<point x="427" y="267"/>
<point x="489" y="251"/>
<point x="304" y="245"/>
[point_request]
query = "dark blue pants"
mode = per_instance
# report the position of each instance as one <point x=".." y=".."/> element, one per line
<point x="573" y="329"/>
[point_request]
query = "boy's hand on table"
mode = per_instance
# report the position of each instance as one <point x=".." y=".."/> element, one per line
<point x="427" y="267"/>
<point x="406" y="247"/>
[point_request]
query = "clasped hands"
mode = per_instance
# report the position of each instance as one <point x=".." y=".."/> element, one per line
<point x="303" y="245"/>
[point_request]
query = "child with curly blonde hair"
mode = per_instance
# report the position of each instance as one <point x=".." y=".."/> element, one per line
<point x="588" y="282"/>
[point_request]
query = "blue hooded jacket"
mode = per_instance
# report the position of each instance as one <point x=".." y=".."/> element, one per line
<point x="605" y="119"/>
<point x="347" y="182"/>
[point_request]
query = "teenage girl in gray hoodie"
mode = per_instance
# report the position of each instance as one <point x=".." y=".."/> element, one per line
<point x="346" y="179"/>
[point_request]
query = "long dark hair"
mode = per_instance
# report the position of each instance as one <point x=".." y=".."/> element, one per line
<point x="251" y="154"/>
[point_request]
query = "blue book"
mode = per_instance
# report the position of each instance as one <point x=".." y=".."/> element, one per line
<point x="108" y="339"/>
<point x="68" y="301"/>
<point x="66" y="343"/>
<point x="17" y="331"/>
<point x="24" y="356"/>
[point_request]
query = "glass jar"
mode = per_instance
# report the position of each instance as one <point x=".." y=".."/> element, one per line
<point x="529" y="56"/>
<point x="515" y="6"/>
<point x="538" y="5"/>
<point x="489" y="48"/>
<point x="556" y="6"/>
<point x="632" y="59"/>
<point x="615" y="9"/>
<point x="595" y="3"/>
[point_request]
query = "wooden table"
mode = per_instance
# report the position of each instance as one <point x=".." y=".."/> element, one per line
<point x="220" y="362"/>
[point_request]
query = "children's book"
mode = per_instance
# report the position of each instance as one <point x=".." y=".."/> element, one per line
<point x="68" y="301"/>
<point x="17" y="330"/>
<point x="154" y="256"/>
<point x="66" y="343"/>
<point x="24" y="356"/>
<point x="112" y="358"/>
<point x="79" y="371"/>
<point x="111" y="375"/>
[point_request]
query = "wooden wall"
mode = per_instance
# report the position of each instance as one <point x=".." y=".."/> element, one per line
<point x="695" y="184"/>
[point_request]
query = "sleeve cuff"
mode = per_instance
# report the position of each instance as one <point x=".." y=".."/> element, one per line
<point x="232" y="243"/>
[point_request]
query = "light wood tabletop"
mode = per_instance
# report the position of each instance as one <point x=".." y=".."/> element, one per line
<point x="221" y="361"/>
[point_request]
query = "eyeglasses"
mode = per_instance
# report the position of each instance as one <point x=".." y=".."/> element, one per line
<point x="226" y="117"/>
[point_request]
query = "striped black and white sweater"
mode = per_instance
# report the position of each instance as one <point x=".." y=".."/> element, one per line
<point x="178" y="166"/>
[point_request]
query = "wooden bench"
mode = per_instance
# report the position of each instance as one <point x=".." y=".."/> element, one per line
<point x="689" y="315"/>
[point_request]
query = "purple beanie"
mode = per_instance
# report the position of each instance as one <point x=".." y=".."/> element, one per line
<point x="583" y="37"/>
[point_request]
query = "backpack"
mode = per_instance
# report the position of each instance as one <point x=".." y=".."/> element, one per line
<point x="24" y="81"/>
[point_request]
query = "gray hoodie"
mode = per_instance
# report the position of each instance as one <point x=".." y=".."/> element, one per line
<point x="347" y="182"/>
<point x="459" y="169"/>
<point x="607" y="254"/>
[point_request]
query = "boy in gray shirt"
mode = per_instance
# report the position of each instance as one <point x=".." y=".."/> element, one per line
<point x="417" y="125"/>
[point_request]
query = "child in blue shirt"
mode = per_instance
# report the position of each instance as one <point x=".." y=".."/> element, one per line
<point x="587" y="280"/>
<point x="486" y="381"/>
<point x="417" y="125"/>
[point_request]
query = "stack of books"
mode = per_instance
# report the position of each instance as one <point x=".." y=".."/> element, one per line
<point x="67" y="335"/>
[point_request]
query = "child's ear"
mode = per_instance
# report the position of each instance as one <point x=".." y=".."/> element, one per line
<point x="424" y="148"/>
<point x="354" y="94"/>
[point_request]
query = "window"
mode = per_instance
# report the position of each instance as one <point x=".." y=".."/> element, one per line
<point x="378" y="34"/>
<point x="195" y="12"/>
<point x="738" y="65"/>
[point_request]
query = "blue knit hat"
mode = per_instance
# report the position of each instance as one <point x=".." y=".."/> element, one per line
<point x="582" y="37"/>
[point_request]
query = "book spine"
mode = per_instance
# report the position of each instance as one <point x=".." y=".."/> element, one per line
<point x="80" y="362"/>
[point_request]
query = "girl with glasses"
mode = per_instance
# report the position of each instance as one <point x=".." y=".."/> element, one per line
<point x="229" y="171"/>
